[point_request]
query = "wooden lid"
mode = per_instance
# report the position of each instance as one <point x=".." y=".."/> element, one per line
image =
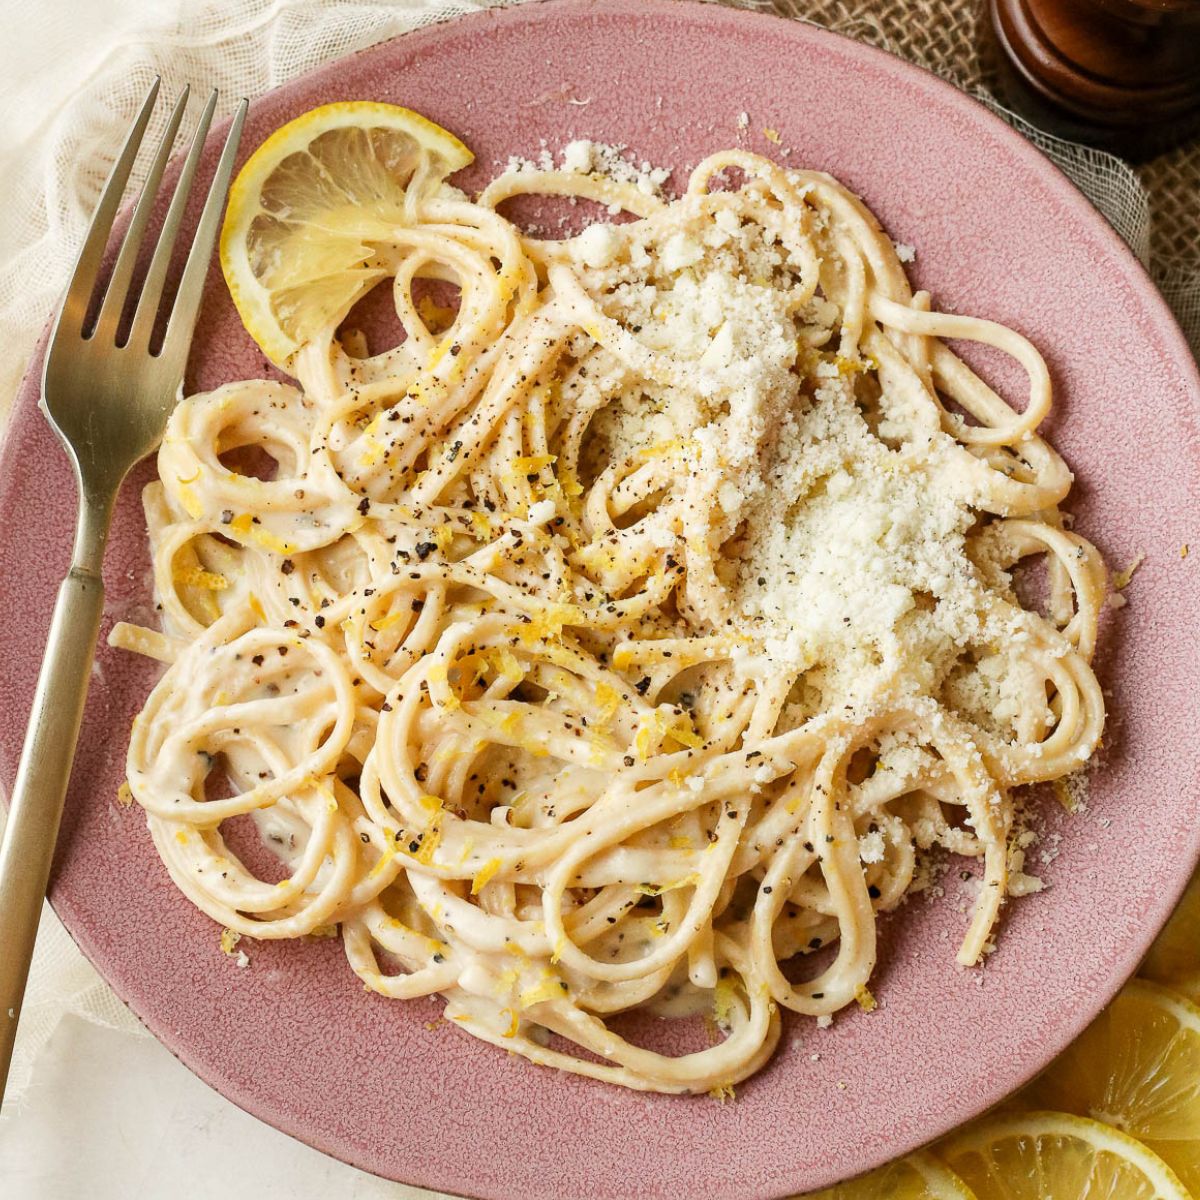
<point x="1124" y="73"/>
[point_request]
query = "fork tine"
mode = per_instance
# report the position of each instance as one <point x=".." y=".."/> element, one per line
<point x="147" y="309"/>
<point x="118" y="285"/>
<point x="87" y="265"/>
<point x="187" y="300"/>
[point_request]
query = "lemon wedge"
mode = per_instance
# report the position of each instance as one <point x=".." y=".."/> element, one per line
<point x="917" y="1177"/>
<point x="1137" y="1067"/>
<point x="308" y="211"/>
<point x="1174" y="959"/>
<point x="1056" y="1156"/>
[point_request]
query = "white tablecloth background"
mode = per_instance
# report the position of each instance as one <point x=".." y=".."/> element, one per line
<point x="98" y="1108"/>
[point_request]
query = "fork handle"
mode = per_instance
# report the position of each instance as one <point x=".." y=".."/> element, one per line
<point x="35" y="808"/>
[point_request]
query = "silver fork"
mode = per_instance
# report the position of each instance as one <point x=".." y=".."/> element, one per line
<point x="109" y="404"/>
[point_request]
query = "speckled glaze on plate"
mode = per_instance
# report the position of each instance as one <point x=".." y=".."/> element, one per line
<point x="296" y="1040"/>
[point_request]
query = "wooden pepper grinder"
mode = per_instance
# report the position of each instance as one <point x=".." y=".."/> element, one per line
<point x="1120" y="74"/>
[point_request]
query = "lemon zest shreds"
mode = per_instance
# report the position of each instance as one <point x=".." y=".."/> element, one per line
<point x="435" y="316"/>
<point x="384" y="860"/>
<point x="528" y="464"/>
<point x="672" y="446"/>
<point x="429" y="842"/>
<point x="390" y="621"/>
<point x="571" y="487"/>
<point x="509" y="666"/>
<point x="243" y="525"/>
<point x="191" y="502"/>
<point x="198" y="577"/>
<point x="548" y="623"/>
<point x="855" y="366"/>
<point x="549" y="987"/>
<point x="439" y="352"/>
<point x="373" y="455"/>
<point x="654" y="727"/>
<point x="623" y="656"/>
<point x="1121" y="579"/>
<point x="644" y="739"/>
<point x="724" y="998"/>
<point x="484" y="875"/>
<point x="609" y="700"/>
<point x="481" y="527"/>
<point x="439" y="672"/>
<point x="328" y="795"/>
<point x="684" y="733"/>
<point x="268" y="541"/>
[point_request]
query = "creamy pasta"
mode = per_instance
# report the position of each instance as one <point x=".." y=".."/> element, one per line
<point x="623" y="637"/>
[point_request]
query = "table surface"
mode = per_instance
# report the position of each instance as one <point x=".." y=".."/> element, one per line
<point x="111" y="1116"/>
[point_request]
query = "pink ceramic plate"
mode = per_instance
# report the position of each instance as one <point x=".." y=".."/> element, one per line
<point x="297" y="1041"/>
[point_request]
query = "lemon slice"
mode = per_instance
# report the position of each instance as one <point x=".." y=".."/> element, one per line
<point x="1055" y="1156"/>
<point x="1174" y="959"/>
<point x="917" y="1177"/>
<point x="307" y="212"/>
<point x="1137" y="1067"/>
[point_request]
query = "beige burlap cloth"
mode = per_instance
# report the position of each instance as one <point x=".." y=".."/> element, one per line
<point x="67" y="94"/>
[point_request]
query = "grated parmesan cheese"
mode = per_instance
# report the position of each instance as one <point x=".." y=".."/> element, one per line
<point x="598" y="245"/>
<point x="577" y="156"/>
<point x="542" y="511"/>
<point x="850" y="559"/>
<point x="583" y="157"/>
<point x="855" y="559"/>
<point x="871" y="847"/>
<point x="1020" y="884"/>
